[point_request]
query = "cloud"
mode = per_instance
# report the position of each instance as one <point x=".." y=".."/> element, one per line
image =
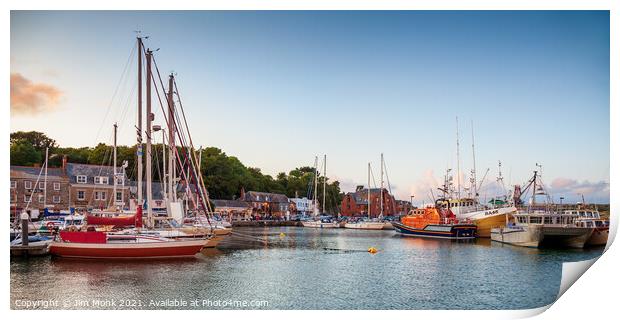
<point x="32" y="98"/>
<point x="572" y="190"/>
<point x="421" y="189"/>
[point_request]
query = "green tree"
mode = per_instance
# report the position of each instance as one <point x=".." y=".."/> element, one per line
<point x="23" y="153"/>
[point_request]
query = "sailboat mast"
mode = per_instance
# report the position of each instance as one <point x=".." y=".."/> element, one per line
<point x="45" y="178"/>
<point x="139" y="124"/>
<point x="163" y="162"/>
<point x="381" y="192"/>
<point x="171" y="144"/>
<point x="368" y="190"/>
<point x="458" y="165"/>
<point x="324" y="181"/>
<point x="114" y="169"/>
<point x="473" y="153"/>
<point x="314" y="192"/>
<point x="149" y="120"/>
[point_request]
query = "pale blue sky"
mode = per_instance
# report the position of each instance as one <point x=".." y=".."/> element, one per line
<point x="276" y="88"/>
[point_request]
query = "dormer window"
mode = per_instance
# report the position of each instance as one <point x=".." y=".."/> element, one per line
<point x="101" y="180"/>
<point x="80" y="179"/>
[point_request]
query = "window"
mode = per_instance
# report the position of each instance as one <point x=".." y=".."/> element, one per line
<point x="56" y="199"/>
<point x="56" y="186"/>
<point x="13" y="184"/>
<point x="119" y="196"/>
<point x="80" y="179"/>
<point x="42" y="185"/>
<point x="26" y="198"/>
<point x="27" y="185"/>
<point x="81" y="195"/>
<point x="101" y="180"/>
<point x="99" y="195"/>
<point x="119" y="181"/>
<point x="41" y="198"/>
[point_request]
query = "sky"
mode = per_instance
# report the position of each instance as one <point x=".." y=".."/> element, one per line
<point x="276" y="88"/>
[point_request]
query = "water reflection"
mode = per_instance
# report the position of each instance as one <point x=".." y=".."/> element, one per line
<point x="298" y="268"/>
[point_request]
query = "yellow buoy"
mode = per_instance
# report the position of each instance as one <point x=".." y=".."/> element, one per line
<point x="282" y="235"/>
<point x="372" y="250"/>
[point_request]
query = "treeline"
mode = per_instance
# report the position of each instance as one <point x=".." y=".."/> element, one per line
<point x="225" y="176"/>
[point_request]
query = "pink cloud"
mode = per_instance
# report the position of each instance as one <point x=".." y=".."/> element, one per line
<point x="32" y="98"/>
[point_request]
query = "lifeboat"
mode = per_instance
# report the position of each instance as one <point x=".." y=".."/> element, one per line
<point x="431" y="223"/>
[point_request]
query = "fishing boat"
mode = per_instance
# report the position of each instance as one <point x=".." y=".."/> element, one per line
<point x="466" y="205"/>
<point x="432" y="222"/>
<point x="101" y="245"/>
<point x="592" y="219"/>
<point x="542" y="224"/>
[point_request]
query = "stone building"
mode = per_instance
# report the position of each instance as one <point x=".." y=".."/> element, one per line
<point x="92" y="186"/>
<point x="356" y="203"/>
<point x="24" y="185"/>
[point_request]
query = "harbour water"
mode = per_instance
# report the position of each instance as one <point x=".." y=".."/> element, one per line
<point x="300" y="268"/>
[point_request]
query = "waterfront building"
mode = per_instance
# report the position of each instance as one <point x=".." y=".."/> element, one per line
<point x="24" y="185"/>
<point x="91" y="186"/>
<point x="302" y="206"/>
<point x="233" y="209"/>
<point x="265" y="204"/>
<point x="356" y="203"/>
<point x="403" y="207"/>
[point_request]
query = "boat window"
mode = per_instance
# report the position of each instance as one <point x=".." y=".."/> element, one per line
<point x="589" y="214"/>
<point x="548" y="220"/>
<point x="536" y="220"/>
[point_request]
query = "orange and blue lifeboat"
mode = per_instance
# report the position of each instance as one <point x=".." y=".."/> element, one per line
<point x="429" y="223"/>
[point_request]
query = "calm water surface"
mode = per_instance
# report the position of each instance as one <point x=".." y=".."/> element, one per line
<point x="266" y="269"/>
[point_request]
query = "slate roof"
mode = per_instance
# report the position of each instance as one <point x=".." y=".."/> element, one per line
<point x="255" y="196"/>
<point x="231" y="203"/>
<point x="90" y="171"/>
<point x="33" y="172"/>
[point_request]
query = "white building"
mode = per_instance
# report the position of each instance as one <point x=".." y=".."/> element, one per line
<point x="303" y="205"/>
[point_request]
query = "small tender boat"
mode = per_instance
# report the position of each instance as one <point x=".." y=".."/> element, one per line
<point x="37" y="246"/>
<point x="99" y="245"/>
<point x="431" y="223"/>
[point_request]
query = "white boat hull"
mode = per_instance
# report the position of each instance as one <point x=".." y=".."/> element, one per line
<point x="365" y="225"/>
<point x="529" y="236"/>
<point x="320" y="224"/>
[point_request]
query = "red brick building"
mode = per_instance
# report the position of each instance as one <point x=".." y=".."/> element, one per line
<point x="356" y="203"/>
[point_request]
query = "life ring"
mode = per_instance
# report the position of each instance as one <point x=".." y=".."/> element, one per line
<point x="50" y="226"/>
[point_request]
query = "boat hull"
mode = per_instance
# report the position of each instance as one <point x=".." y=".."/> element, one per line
<point x="365" y="225"/>
<point x="572" y="237"/>
<point x="487" y="223"/>
<point x="319" y="224"/>
<point x="168" y="249"/>
<point x="599" y="237"/>
<point x="530" y="236"/>
<point x="454" y="232"/>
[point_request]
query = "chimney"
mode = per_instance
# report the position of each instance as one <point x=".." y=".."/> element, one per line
<point x="64" y="161"/>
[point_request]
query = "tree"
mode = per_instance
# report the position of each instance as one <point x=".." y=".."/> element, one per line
<point x="24" y="154"/>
